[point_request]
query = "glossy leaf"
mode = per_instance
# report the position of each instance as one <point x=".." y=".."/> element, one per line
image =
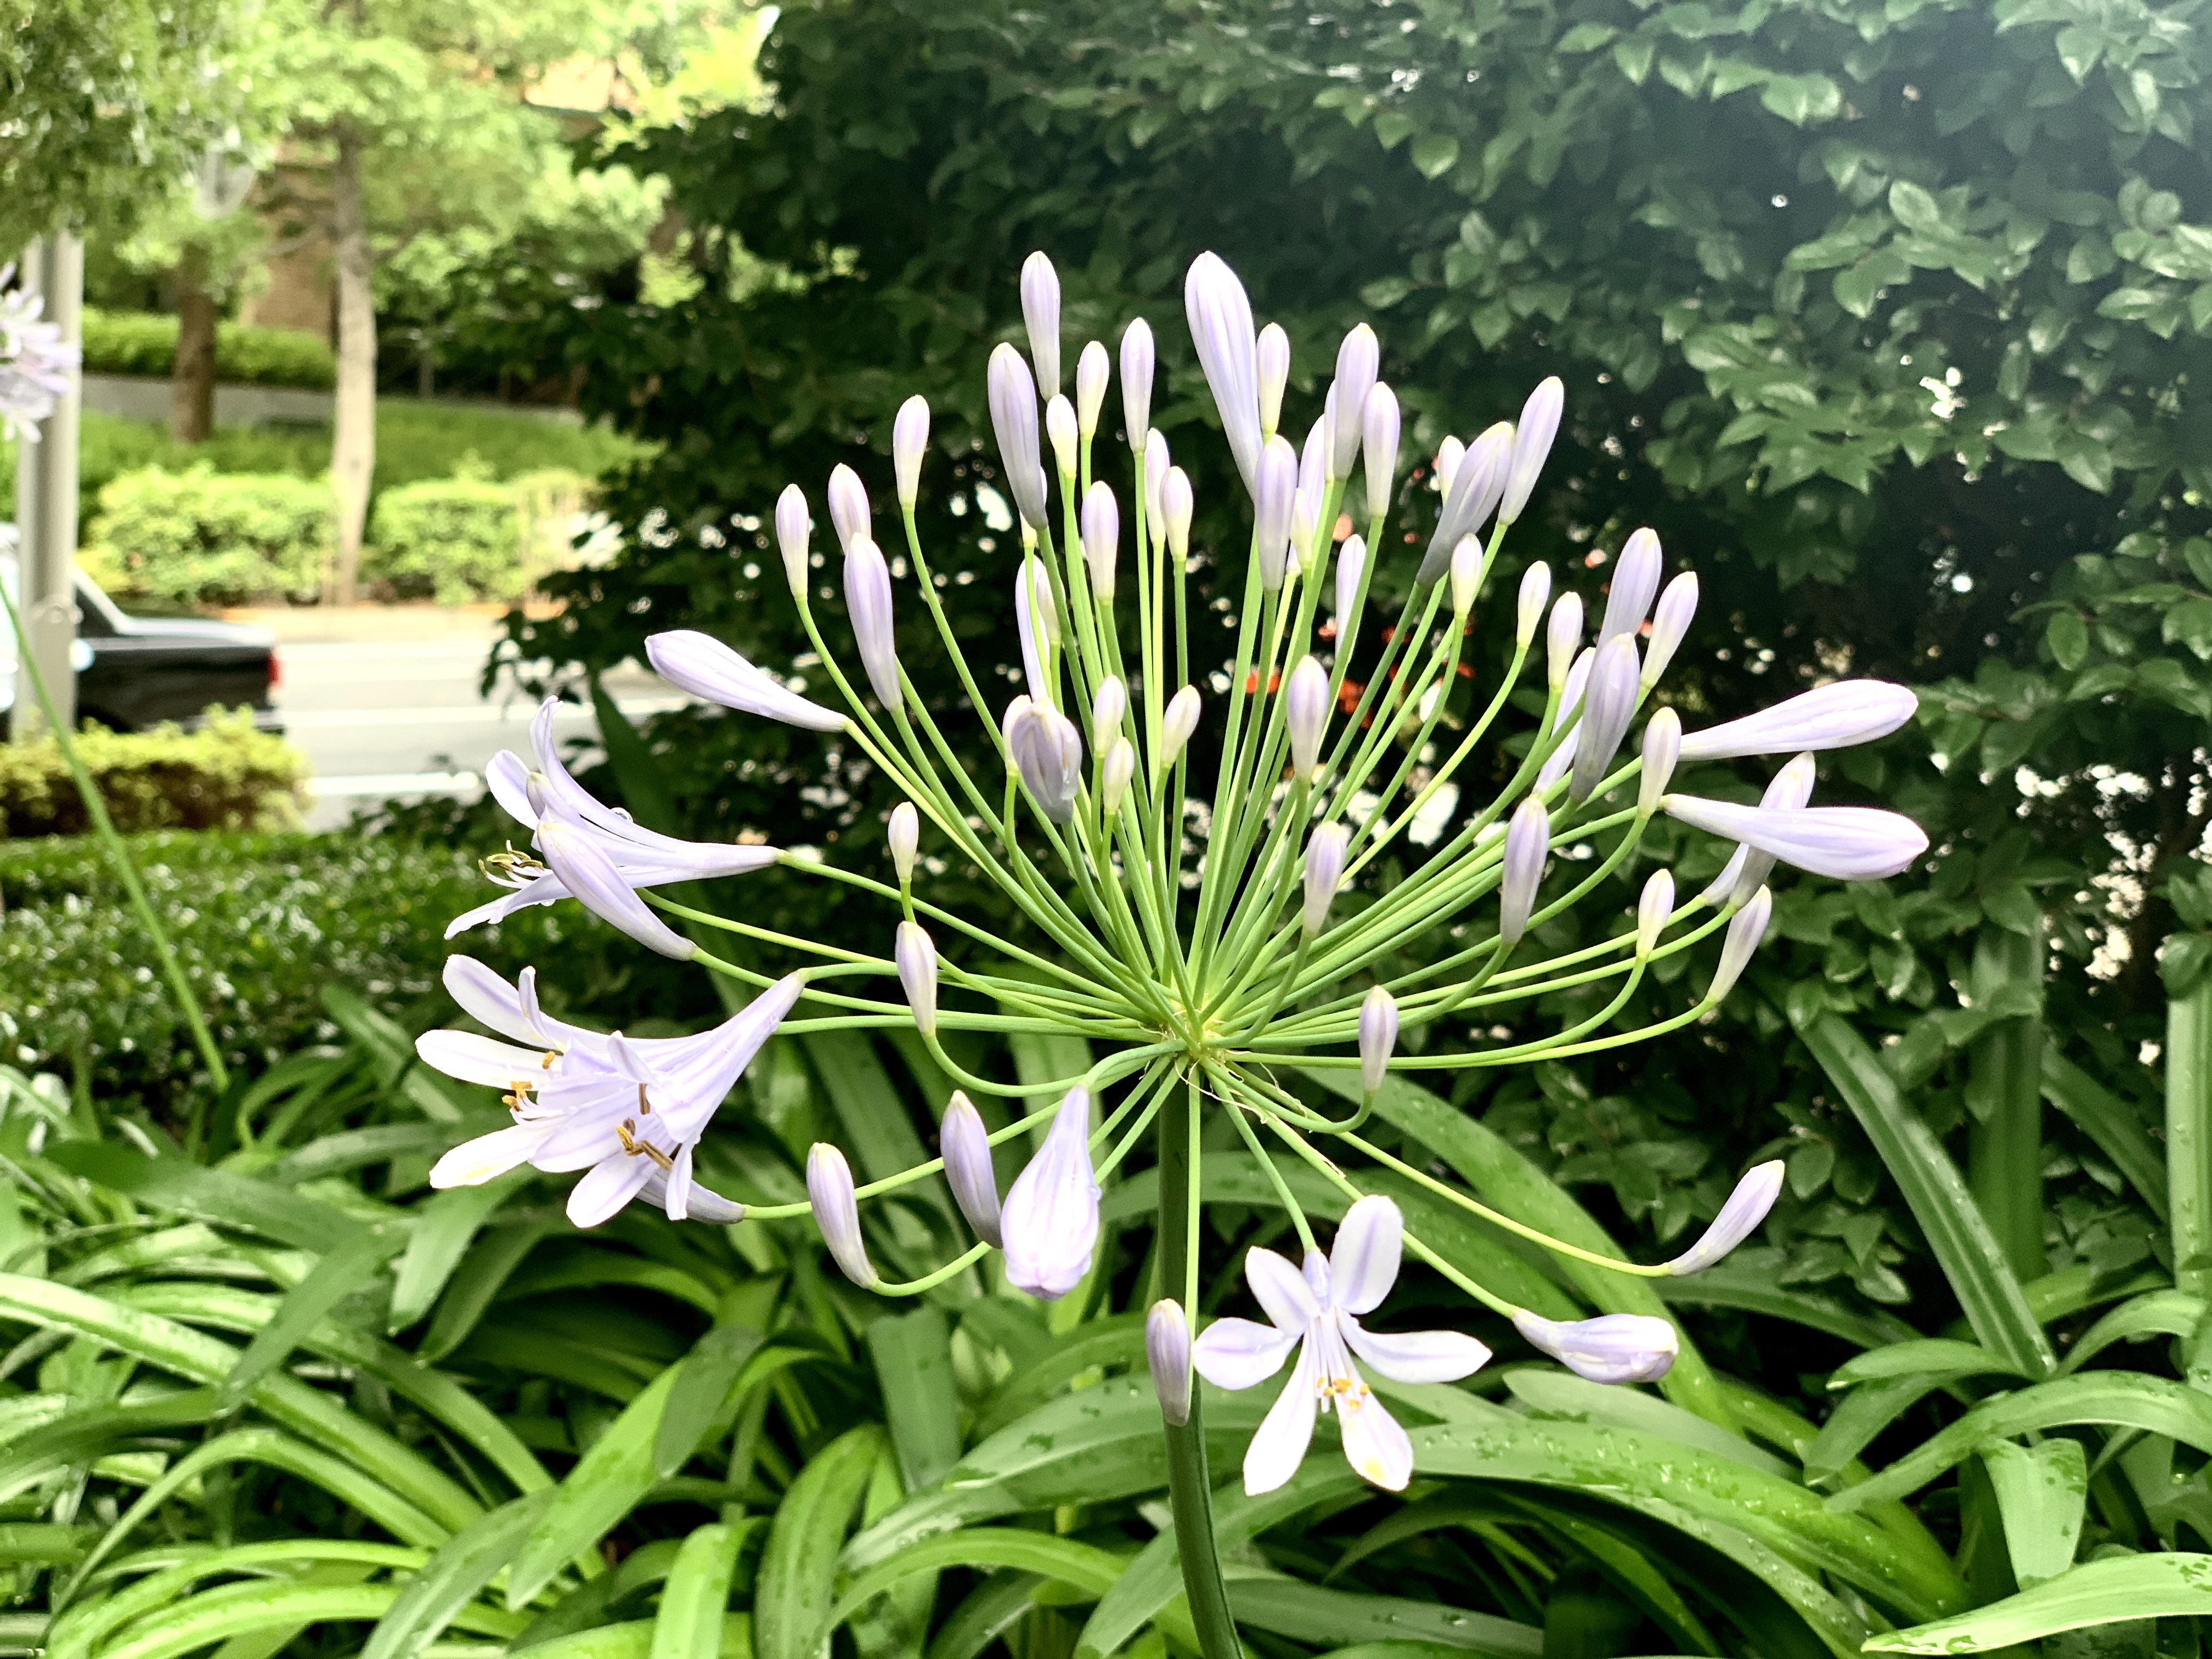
<point x="605" y="1484"/>
<point x="696" y="1600"/>
<point x="2110" y="1591"/>
<point x="791" y="1600"/>
<point x="452" y="1578"/>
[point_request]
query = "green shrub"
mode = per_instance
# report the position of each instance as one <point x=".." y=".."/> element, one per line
<point x="450" y="539"/>
<point x="145" y="343"/>
<point x="203" y="536"/>
<point x="224" y="775"/>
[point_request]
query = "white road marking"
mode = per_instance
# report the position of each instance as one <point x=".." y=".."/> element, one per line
<point x="474" y="713"/>
<point x="398" y="783"/>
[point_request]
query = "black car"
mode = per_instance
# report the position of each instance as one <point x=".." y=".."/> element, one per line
<point x="135" y="672"/>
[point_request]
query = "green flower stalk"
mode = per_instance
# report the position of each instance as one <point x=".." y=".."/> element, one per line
<point x="1201" y="986"/>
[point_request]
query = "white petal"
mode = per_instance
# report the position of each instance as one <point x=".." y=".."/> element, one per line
<point x="491" y="1001"/>
<point x="1851" y="843"/>
<point x="506" y="777"/>
<point x="577" y="1142"/>
<point x="1240" y="1353"/>
<point x="1280" y="1445"/>
<point x="542" y="890"/>
<point x="577" y="857"/>
<point x="1050" y="1218"/>
<point x="613" y="1183"/>
<point x="1280" y="1289"/>
<point x="676" y="1198"/>
<point x="1415" y="1355"/>
<point x="1363" y="1265"/>
<point x="1373" y="1444"/>
<point x="1314" y="1269"/>
<point x="1828" y="717"/>
<point x="488" y="1157"/>
<point x="483" y="1060"/>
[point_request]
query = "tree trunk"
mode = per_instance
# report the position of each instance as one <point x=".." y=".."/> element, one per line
<point x="353" y="436"/>
<point x="191" y="380"/>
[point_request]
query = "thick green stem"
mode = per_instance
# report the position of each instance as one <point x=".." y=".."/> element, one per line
<point x="1190" y="1492"/>
<point x="2189" y="1134"/>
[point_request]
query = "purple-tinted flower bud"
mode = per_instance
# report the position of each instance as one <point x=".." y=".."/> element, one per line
<point x="1113" y="776"/>
<point x="792" y="528"/>
<point x="1378" y="1036"/>
<point x="1091" y="376"/>
<point x="1611" y="1348"/>
<point x="1535" y="594"/>
<point x="1275" y="493"/>
<point x="1350" y="571"/>
<point x="966" y="1145"/>
<point x="1528" y="845"/>
<point x="1272" y="361"/>
<point x="1635" y="580"/>
<point x="1137" y="358"/>
<point x="1739" y="1218"/>
<point x="1167" y="1351"/>
<point x="704" y="666"/>
<point x="1305" y="712"/>
<point x="1563" y="639"/>
<point x="1532" y="443"/>
<point x="1827" y="717"/>
<point x="1060" y="429"/>
<point x="1040" y="319"/>
<point x="1178" y="722"/>
<point x="1747" y="869"/>
<point x="1476" y="485"/>
<point x="1012" y="396"/>
<point x="909" y="441"/>
<point x="837" y="1212"/>
<point x="1357" y="360"/>
<point x="1670" y="624"/>
<point x="848" y="506"/>
<point x="1652" y="909"/>
<point x="1176" y="507"/>
<point x="868" y="604"/>
<point x="1102" y="538"/>
<point x="915" y="957"/>
<point x="1324" y="872"/>
<point x="1466" y="575"/>
<point x="1378" y="442"/>
<point x="905" y="838"/>
<point x="1050" y="1223"/>
<point x="1745" y="930"/>
<point x="1221" y="327"/>
<point x="1047" y="751"/>
<point x="1850" y="843"/>
<point x="1608" y="707"/>
<point x="1662" y="743"/>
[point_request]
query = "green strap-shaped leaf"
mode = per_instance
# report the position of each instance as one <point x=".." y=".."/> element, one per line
<point x="2107" y="1592"/>
<point x="912" y="1356"/>
<point x="1508" y="1182"/>
<point x="1731" y="1285"/>
<point x="2111" y="1122"/>
<point x="634" y="1640"/>
<point x="45" y="1541"/>
<point x="798" y="1567"/>
<point x="483" y="1273"/>
<point x="1564" y="1395"/>
<point x="356" y="1149"/>
<point x="1113" y="1342"/>
<point x="1862" y="1414"/>
<point x="1315" y="1613"/>
<point x="2042" y="1492"/>
<point x="2188" y="1135"/>
<point x="443" y="1230"/>
<point x="990" y="1610"/>
<point x="702" y="1389"/>
<point x="2160" y="1313"/>
<point x="1934" y="1356"/>
<point x="218" y="1195"/>
<point x="1988" y="1292"/>
<point x="453" y="1578"/>
<point x="697" y="1595"/>
<point x="1085" y="1566"/>
<point x="392" y="1052"/>
<point x="237" y="1610"/>
<point x="2127" y="1399"/>
<point x="340" y="1272"/>
<point x="82" y="1632"/>
<point x="606" y="1484"/>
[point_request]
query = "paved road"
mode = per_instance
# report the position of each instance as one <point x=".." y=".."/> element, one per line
<point x="387" y="705"/>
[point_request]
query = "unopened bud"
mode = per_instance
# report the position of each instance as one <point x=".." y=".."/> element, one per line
<point x="1476" y="485"/>
<point x="1157" y="462"/>
<point x="1610" y="1348"/>
<point x="909" y="440"/>
<point x="848" y="506"/>
<point x="1652" y="909"/>
<point x="1356" y="360"/>
<point x="1563" y="639"/>
<point x="1378" y="1037"/>
<point x="966" y="1145"/>
<point x="1324" y="872"/>
<point x="1040" y="319"/>
<point x="1272" y="358"/>
<point x="1532" y="443"/>
<point x="1102" y="538"/>
<point x="1177" y="721"/>
<point x="1012" y="396"/>
<point x="1059" y="426"/>
<point x="1528" y="845"/>
<point x="1137" y="359"/>
<point x="1305" y="711"/>
<point x="1670" y="625"/>
<point x="837" y="1212"/>
<point x="915" y="957"/>
<point x="1635" y="580"/>
<point x="1739" y="1218"/>
<point x="1662" y="744"/>
<point x="1535" y="591"/>
<point x="1107" y="709"/>
<point x="1350" y="571"/>
<point x="792" y="529"/>
<point x="868" y="605"/>
<point x="1051" y="1217"/>
<point x="1273" y="498"/>
<point x="1378" y="442"/>
<point x="1176" y="507"/>
<point x="1166" y="1352"/>
<point x="1090" y="375"/>
<point x="904" y="837"/>
<point x="1113" y="776"/>
<point x="1450" y="453"/>
<point x="1608" y="707"/>
<point x="1466" y="575"/>
<point x="1047" y="752"/>
<point x="1745" y="930"/>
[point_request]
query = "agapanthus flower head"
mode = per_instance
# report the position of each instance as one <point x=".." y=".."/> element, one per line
<point x="1271" y="359"/>
<point x="1092" y="372"/>
<point x="1040" y="319"/>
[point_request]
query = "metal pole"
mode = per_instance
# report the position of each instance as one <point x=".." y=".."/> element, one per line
<point x="45" y="503"/>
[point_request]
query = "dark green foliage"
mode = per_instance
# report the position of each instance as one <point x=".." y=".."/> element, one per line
<point x="145" y="343"/>
<point x="204" y="538"/>
<point x="450" y="539"/>
<point x="225" y="774"/>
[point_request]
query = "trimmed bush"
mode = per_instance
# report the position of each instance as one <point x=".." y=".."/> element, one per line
<point x="145" y="343"/>
<point x="450" y="539"/>
<point x="209" y="537"/>
<point x="224" y="775"/>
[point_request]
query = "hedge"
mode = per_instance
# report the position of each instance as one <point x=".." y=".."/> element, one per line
<point x="450" y="539"/>
<point x="203" y="536"/>
<point x="223" y="775"/>
<point x="145" y="343"/>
